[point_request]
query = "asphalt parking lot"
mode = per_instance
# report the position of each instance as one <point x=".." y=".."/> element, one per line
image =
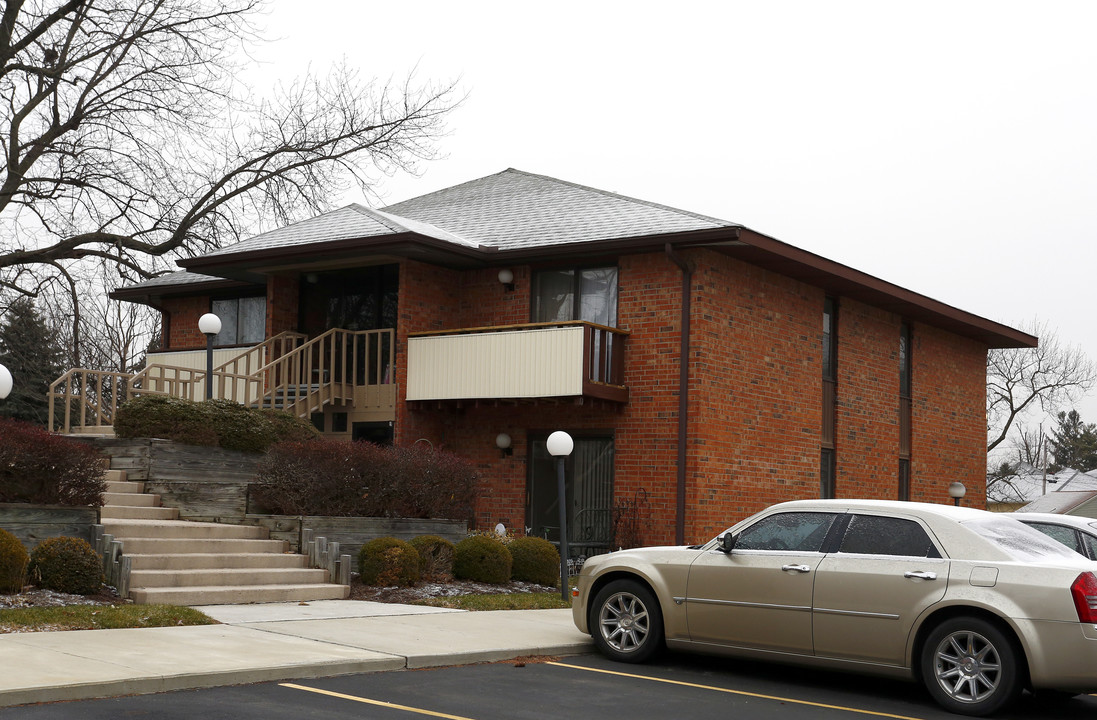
<point x="586" y="686"/>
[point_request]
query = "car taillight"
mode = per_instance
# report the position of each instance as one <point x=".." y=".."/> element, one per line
<point x="1084" y="592"/>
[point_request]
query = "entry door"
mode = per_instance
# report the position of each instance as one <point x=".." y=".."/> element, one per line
<point x="588" y="483"/>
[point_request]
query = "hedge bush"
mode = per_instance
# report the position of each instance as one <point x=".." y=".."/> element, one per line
<point x="334" y="477"/>
<point x="435" y="557"/>
<point x="482" y="558"/>
<point x="217" y="423"/>
<point x="386" y="562"/>
<point x="67" y="565"/>
<point x="536" y="560"/>
<point x="13" y="563"/>
<point x="39" y="467"/>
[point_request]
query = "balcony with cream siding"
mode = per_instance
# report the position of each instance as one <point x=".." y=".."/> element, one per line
<point x="569" y="361"/>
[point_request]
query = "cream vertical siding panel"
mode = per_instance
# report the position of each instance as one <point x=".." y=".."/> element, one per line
<point x="519" y="364"/>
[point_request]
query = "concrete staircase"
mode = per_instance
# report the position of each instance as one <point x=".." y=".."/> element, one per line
<point x="180" y="562"/>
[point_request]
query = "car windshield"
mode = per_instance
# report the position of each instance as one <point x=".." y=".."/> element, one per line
<point x="1019" y="540"/>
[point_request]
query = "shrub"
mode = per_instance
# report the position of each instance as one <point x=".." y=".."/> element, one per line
<point x="435" y="557"/>
<point x="39" y="467"/>
<point x="13" y="563"/>
<point x="387" y="561"/>
<point x="219" y="423"/>
<point x="334" y="477"/>
<point x="536" y="560"/>
<point x="483" y="559"/>
<point x="67" y="565"/>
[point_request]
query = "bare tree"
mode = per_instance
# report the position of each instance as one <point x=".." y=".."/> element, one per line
<point x="1021" y="380"/>
<point x="125" y="136"/>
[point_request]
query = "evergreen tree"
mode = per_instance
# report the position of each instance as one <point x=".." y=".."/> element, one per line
<point x="1074" y="444"/>
<point x="32" y="353"/>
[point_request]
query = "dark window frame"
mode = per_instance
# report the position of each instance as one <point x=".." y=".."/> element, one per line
<point x="576" y="289"/>
<point x="237" y="340"/>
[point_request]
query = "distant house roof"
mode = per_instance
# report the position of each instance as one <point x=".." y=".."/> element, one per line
<point x="1059" y="490"/>
<point x="520" y="217"/>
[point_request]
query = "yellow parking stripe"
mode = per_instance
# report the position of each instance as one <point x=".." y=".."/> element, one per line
<point x="735" y="692"/>
<point x="381" y="703"/>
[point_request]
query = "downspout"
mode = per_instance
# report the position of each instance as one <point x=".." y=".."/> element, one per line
<point x="683" y="395"/>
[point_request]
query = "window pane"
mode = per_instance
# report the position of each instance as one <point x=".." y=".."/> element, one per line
<point x="253" y="320"/>
<point x="1091" y="545"/>
<point x="555" y="296"/>
<point x="227" y="311"/>
<point x="802" y="532"/>
<point x="1065" y="535"/>
<point x="598" y="296"/>
<point x="875" y="535"/>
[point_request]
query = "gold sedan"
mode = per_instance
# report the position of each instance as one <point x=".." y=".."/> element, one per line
<point x="974" y="605"/>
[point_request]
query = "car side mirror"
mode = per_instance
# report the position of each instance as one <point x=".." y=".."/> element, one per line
<point x="727" y="543"/>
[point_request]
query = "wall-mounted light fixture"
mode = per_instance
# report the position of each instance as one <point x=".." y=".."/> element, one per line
<point x="502" y="441"/>
<point x="312" y="278"/>
<point x="507" y="278"/>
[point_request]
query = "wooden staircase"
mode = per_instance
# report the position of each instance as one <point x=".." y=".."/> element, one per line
<point x="181" y="562"/>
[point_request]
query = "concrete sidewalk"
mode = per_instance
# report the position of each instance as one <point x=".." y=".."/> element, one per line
<point x="277" y="641"/>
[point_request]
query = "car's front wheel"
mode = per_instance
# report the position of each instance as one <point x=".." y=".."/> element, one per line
<point x="970" y="667"/>
<point x="627" y="624"/>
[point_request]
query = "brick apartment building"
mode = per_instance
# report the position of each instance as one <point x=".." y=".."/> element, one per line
<point x="704" y="370"/>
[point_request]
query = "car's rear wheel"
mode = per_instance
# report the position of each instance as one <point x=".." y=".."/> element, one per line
<point x="970" y="667"/>
<point x="627" y="624"/>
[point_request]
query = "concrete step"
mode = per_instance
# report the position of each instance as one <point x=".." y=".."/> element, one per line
<point x="137" y="545"/>
<point x="227" y="577"/>
<point x="125" y="486"/>
<point x="201" y="561"/>
<point x="129" y="527"/>
<point x="114" y="475"/>
<point x="122" y="512"/>
<point x="130" y="499"/>
<point x="237" y="595"/>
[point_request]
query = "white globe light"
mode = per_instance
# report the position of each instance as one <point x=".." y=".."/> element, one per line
<point x="209" y="324"/>
<point x="506" y="276"/>
<point x="957" y="490"/>
<point x="5" y="382"/>
<point x="559" y="443"/>
<point x="502" y="441"/>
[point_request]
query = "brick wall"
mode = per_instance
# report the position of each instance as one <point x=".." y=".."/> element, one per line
<point x="755" y="392"/>
<point x="181" y="330"/>
<point x="867" y="440"/>
<point x="948" y="431"/>
<point x="283" y="303"/>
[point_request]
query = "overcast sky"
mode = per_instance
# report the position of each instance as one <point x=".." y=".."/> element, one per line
<point x="947" y="147"/>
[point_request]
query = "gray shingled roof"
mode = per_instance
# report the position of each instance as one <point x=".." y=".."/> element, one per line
<point x="514" y="210"/>
<point x="351" y="222"/>
<point x="173" y="279"/>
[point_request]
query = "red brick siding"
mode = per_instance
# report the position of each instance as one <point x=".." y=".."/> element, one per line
<point x="755" y="392"/>
<point x="182" y="329"/>
<point x="867" y="439"/>
<point x="948" y="386"/>
<point x="283" y="303"/>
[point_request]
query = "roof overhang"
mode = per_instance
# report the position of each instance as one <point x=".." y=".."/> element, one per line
<point x="738" y="242"/>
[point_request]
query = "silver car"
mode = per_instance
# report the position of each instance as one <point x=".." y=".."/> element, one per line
<point x="1076" y="532"/>
<point x="975" y="605"/>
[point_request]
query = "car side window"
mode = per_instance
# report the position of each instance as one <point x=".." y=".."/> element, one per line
<point x="1065" y="535"/>
<point x="1091" y="545"/>
<point x="798" y="531"/>
<point x="878" y="535"/>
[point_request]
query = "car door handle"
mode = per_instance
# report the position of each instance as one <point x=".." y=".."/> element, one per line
<point x="920" y="575"/>
<point x="796" y="568"/>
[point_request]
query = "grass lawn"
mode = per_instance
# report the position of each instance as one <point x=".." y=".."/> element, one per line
<point x="98" y="617"/>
